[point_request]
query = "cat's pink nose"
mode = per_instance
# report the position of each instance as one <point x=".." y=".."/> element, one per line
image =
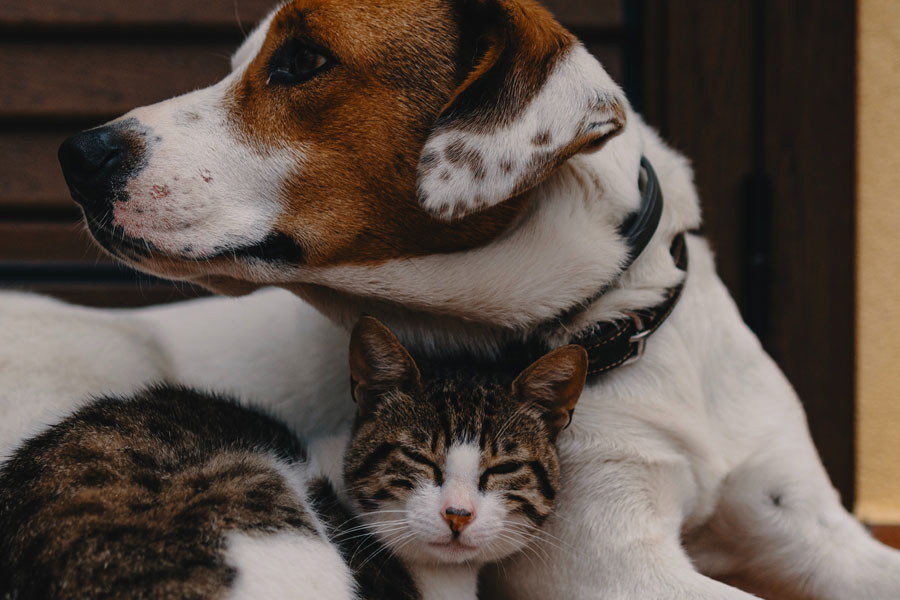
<point x="458" y="519"/>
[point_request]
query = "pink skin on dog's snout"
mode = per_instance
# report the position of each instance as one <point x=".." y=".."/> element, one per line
<point x="146" y="218"/>
<point x="129" y="218"/>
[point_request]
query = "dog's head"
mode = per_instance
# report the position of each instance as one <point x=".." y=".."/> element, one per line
<point x="347" y="134"/>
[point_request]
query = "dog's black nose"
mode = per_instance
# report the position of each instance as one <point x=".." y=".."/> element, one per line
<point x="93" y="163"/>
<point x="86" y="154"/>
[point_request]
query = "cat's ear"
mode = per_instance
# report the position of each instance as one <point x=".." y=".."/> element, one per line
<point x="554" y="383"/>
<point x="379" y="363"/>
<point x="533" y="98"/>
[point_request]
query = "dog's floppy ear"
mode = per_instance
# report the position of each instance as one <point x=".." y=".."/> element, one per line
<point x="554" y="383"/>
<point x="534" y="98"/>
<point x="378" y="364"/>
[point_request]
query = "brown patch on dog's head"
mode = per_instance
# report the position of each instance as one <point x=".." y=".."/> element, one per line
<point x="362" y="125"/>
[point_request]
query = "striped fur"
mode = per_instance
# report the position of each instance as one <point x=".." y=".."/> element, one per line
<point x="136" y="498"/>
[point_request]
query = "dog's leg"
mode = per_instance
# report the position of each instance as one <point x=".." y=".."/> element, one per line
<point x="615" y="535"/>
<point x="780" y="531"/>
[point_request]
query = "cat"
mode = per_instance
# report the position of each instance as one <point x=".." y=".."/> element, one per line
<point x="174" y="493"/>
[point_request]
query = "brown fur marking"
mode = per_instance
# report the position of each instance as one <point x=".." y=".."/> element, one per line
<point x="544" y="138"/>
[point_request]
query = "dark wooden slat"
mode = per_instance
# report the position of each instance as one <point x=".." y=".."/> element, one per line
<point x="224" y="13"/>
<point x="605" y="14"/>
<point x="102" y="79"/>
<point x="216" y="13"/>
<point x="704" y="61"/>
<point x="114" y="296"/>
<point x="30" y="176"/>
<point x="56" y="242"/>
<point x="610" y="55"/>
<point x="715" y="131"/>
<point x="651" y="55"/>
<point x="810" y="156"/>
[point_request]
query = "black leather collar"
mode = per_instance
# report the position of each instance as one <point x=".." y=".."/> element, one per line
<point x="616" y="343"/>
<point x="619" y="343"/>
<point x="639" y="228"/>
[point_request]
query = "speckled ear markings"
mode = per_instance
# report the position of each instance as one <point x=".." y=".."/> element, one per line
<point x="534" y="99"/>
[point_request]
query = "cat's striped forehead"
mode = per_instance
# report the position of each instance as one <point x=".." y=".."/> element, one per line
<point x="462" y="409"/>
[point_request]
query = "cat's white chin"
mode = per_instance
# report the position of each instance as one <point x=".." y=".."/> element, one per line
<point x="453" y="552"/>
<point x="457" y="551"/>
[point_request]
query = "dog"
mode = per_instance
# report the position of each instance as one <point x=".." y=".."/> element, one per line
<point x="465" y="171"/>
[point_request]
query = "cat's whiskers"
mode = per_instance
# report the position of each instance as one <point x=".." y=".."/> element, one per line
<point x="377" y="531"/>
<point x="369" y="542"/>
<point x="385" y="548"/>
<point x="520" y="537"/>
<point x="534" y="534"/>
<point x="364" y="524"/>
<point x="369" y="528"/>
<point x="403" y="541"/>
<point x="368" y="533"/>
<point x="503" y="568"/>
<point x="528" y="526"/>
<point x="373" y="525"/>
<point x="372" y="513"/>
<point x="527" y="547"/>
<point x="562" y="518"/>
<point x="370" y="539"/>
<point x="512" y="540"/>
<point x="530" y="551"/>
<point x="541" y="534"/>
<point x="539" y="545"/>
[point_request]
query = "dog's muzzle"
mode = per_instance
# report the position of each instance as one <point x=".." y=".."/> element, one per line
<point x="98" y="163"/>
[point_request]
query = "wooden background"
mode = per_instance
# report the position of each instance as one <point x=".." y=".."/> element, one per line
<point x="759" y="93"/>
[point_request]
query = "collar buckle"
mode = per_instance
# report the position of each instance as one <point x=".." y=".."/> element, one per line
<point x="638" y="340"/>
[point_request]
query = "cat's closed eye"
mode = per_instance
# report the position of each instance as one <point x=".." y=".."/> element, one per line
<point x="403" y="484"/>
<point x="505" y="468"/>
<point x="420" y="459"/>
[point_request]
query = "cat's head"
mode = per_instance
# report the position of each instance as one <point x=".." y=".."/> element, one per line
<point x="451" y="466"/>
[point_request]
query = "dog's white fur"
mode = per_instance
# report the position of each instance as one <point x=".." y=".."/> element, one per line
<point x="54" y="357"/>
<point x="693" y="464"/>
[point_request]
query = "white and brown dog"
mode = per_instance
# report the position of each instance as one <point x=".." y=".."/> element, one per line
<point x="462" y="169"/>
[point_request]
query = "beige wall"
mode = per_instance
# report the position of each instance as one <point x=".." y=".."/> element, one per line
<point x="878" y="288"/>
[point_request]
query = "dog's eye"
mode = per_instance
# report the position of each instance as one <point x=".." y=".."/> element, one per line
<point x="296" y="62"/>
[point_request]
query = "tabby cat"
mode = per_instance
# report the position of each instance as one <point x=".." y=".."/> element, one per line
<point x="182" y="495"/>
